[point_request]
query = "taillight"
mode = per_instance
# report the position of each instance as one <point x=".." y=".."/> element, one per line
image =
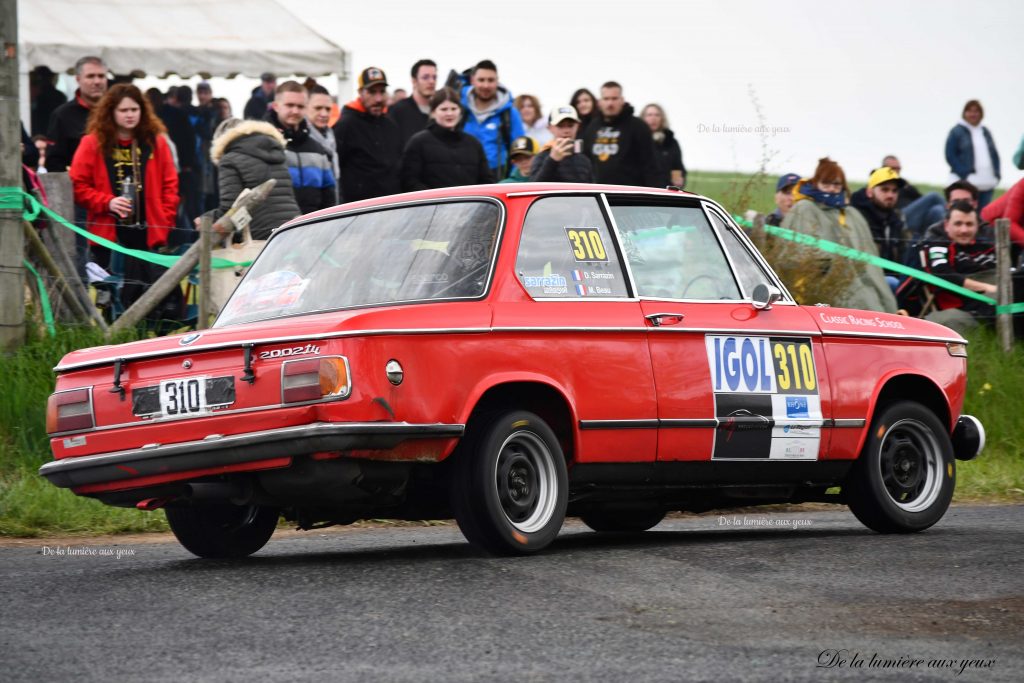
<point x="69" y="411"/>
<point x="315" y="379"/>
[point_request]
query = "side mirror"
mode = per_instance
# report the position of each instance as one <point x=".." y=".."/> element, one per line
<point x="764" y="296"/>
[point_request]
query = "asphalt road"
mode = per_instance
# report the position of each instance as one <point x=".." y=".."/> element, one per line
<point x="699" y="598"/>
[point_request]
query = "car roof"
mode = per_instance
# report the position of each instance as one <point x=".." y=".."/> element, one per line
<point x="496" y="190"/>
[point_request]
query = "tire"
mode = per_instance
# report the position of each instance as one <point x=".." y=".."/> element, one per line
<point x="222" y="531"/>
<point x="622" y="521"/>
<point x="510" y="487"/>
<point x="904" y="479"/>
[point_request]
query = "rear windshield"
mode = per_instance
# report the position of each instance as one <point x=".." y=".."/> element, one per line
<point x="413" y="253"/>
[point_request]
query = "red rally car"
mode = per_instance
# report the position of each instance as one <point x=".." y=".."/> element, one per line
<point x="508" y="355"/>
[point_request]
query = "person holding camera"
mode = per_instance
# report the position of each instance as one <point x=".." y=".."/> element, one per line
<point x="124" y="176"/>
<point x="561" y="160"/>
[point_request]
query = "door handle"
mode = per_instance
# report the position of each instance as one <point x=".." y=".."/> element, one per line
<point x="659" y="319"/>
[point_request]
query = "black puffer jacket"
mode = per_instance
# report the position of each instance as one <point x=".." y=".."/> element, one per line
<point x="249" y="154"/>
<point x="438" y="157"/>
<point x="369" y="153"/>
<point x="886" y="226"/>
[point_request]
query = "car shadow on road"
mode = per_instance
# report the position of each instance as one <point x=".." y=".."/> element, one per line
<point x="568" y="542"/>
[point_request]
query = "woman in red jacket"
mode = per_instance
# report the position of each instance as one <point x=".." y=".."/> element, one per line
<point x="123" y="174"/>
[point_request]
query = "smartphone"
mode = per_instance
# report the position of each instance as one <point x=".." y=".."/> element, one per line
<point x="577" y="146"/>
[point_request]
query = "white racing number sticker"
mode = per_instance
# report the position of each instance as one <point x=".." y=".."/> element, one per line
<point x="766" y="398"/>
<point x="183" y="397"/>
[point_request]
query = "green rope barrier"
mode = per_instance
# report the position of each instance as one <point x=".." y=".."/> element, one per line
<point x="14" y="197"/>
<point x="44" y="299"/>
<point x="857" y="255"/>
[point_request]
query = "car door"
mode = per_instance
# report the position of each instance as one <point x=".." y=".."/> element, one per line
<point x="733" y="382"/>
<point x="571" y="320"/>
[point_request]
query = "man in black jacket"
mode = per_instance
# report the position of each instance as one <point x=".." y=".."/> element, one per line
<point x="67" y="124"/>
<point x="412" y="113"/>
<point x="309" y="164"/>
<point x="619" y="144"/>
<point x="369" y="143"/>
<point x="558" y="162"/>
<point x="877" y="203"/>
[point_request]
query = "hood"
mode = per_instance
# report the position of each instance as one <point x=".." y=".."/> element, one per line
<point x="296" y="135"/>
<point x="356" y="106"/>
<point x="625" y="114"/>
<point x="502" y="100"/>
<point x="265" y="137"/>
<point x="863" y="203"/>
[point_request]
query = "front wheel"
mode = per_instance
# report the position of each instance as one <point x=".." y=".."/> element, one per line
<point x="904" y="479"/>
<point x="222" y="531"/>
<point x="510" y="489"/>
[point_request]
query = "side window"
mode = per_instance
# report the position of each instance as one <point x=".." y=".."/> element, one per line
<point x="672" y="251"/>
<point x="748" y="270"/>
<point x="567" y="251"/>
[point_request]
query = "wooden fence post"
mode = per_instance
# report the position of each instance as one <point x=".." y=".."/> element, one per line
<point x="1004" y="283"/>
<point x="172" y="278"/>
<point x="205" y="272"/>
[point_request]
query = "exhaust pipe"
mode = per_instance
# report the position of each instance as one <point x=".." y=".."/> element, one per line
<point x="232" y="492"/>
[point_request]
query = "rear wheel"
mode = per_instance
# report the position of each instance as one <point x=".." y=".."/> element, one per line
<point x="622" y="521"/>
<point x="904" y="479"/>
<point x="510" y="488"/>
<point x="222" y="531"/>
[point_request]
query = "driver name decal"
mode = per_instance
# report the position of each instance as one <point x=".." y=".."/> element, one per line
<point x="766" y="398"/>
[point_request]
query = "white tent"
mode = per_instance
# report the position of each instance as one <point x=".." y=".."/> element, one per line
<point x="184" y="37"/>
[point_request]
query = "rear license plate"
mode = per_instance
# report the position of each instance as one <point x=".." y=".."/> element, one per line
<point x="183" y="397"/>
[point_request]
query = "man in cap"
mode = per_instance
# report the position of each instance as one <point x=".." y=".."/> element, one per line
<point x="369" y="143"/>
<point x="559" y="161"/>
<point x="412" y="113"/>
<point x="877" y="203"/>
<point x="262" y="96"/>
<point x="521" y="153"/>
<point x="783" y="198"/>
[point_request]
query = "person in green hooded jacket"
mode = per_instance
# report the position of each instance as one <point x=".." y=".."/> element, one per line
<point x="821" y="209"/>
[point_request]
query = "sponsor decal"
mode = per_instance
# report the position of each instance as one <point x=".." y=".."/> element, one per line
<point x="766" y="397"/>
<point x="796" y="406"/>
<point x="851" y="319"/>
<point x="292" y="351"/>
<point x="544" y="281"/>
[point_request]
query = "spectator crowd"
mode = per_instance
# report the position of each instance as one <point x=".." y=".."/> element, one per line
<point x="146" y="166"/>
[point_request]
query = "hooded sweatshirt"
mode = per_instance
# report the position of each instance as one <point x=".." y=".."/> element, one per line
<point x="309" y="165"/>
<point x="484" y="121"/>
<point x="369" y="153"/>
<point x="249" y="154"/>
<point x="622" y="150"/>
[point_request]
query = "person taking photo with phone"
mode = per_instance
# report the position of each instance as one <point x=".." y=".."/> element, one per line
<point x="561" y="160"/>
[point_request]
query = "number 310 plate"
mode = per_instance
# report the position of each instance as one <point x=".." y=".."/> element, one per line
<point x="180" y="397"/>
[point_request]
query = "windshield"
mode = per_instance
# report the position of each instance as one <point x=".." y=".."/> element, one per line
<point x="413" y="253"/>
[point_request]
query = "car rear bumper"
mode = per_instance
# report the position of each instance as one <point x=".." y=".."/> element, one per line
<point x="157" y="460"/>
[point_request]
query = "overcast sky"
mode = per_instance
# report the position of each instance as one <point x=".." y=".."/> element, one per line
<point x="854" y="81"/>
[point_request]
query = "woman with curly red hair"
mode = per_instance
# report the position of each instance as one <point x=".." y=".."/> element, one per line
<point x="123" y="174"/>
